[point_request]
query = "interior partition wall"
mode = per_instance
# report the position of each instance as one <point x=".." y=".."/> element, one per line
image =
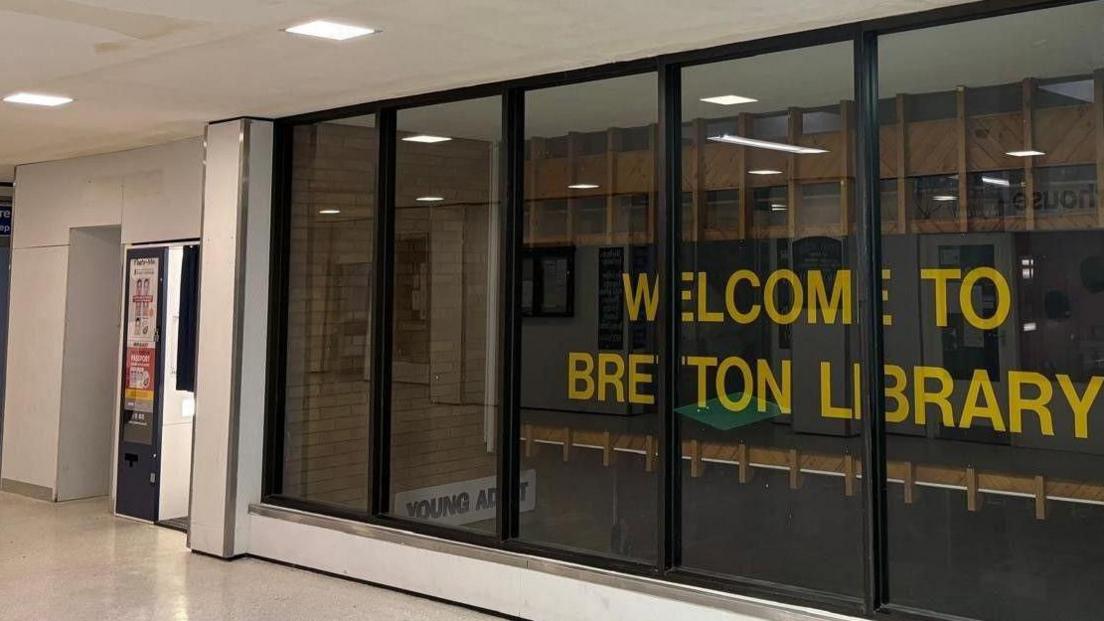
<point x="810" y="318"/>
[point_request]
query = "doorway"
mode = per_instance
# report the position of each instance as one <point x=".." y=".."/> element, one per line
<point x="157" y="405"/>
<point x="92" y="306"/>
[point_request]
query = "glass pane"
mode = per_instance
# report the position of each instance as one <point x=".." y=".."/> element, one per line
<point x="444" y="384"/>
<point x="333" y="214"/>
<point x="994" y="258"/>
<point x="767" y="391"/>
<point x="589" y="423"/>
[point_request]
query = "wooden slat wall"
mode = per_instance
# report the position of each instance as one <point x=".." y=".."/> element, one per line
<point x="965" y="144"/>
<point x="747" y="459"/>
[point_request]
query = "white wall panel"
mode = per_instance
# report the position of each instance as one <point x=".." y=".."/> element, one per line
<point x="176" y="416"/>
<point x="254" y="349"/>
<point x="230" y="381"/>
<point x="35" y="337"/>
<point x="215" y="391"/>
<point x="93" y="307"/>
<point x="153" y="193"/>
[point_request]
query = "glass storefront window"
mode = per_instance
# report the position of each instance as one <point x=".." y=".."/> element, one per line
<point x="770" y="473"/>
<point x="330" y="265"/>
<point x="589" y="424"/>
<point x="994" y="258"/>
<point x="991" y="137"/>
<point x="444" y="379"/>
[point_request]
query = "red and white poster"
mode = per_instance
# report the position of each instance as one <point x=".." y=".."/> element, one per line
<point x="140" y="372"/>
<point x="141" y="369"/>
<point x="142" y="300"/>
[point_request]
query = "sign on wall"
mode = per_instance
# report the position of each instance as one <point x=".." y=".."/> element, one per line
<point x="140" y="372"/>
<point x="820" y="292"/>
<point x="463" y="502"/>
<point x="5" y="219"/>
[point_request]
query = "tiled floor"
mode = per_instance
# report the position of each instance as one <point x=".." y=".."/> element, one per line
<point x="76" y="561"/>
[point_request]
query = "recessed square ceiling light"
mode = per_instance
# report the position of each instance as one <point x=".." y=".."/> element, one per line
<point x="426" y="138"/>
<point x="583" y="186"/>
<point x="1025" y="153"/>
<point x="37" y="99"/>
<point x="430" y="199"/>
<point x="728" y="100"/>
<point x="330" y="30"/>
<point x="764" y="171"/>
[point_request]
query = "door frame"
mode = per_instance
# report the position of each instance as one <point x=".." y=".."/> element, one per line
<point x="117" y="428"/>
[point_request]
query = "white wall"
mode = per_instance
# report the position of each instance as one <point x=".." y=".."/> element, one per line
<point x="32" y="402"/>
<point x="91" y="348"/>
<point x="177" y="406"/>
<point x="154" y="194"/>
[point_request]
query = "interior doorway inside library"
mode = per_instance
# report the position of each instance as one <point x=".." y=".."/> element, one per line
<point x="157" y="406"/>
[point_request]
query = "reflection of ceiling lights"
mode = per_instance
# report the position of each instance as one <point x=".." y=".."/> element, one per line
<point x="728" y="100"/>
<point x="36" y="99"/>
<point x="943" y="198"/>
<point x="1025" y="153"/>
<point x="330" y="30"/>
<point x="765" y="144"/>
<point x="329" y="212"/>
<point x="426" y="138"/>
<point x="430" y="199"/>
<point x="778" y="207"/>
<point x="1004" y="183"/>
<point x="764" y="171"/>
<point x="583" y="186"/>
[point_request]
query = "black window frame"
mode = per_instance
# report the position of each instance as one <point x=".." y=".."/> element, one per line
<point x="864" y="37"/>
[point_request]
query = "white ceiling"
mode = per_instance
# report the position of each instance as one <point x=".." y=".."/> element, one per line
<point x="149" y="71"/>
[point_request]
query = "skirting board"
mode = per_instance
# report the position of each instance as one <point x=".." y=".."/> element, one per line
<point x="506" y="582"/>
<point x="29" y="490"/>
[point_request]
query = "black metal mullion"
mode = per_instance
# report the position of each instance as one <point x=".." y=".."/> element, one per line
<point x="873" y="355"/>
<point x="669" y="156"/>
<point x="511" y="208"/>
<point x="382" y="311"/>
<point x="276" y="363"/>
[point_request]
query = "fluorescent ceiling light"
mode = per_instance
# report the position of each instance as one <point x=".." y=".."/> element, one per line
<point x="1025" y="153"/>
<point x="943" y="198"/>
<point x="764" y="171"/>
<point x="728" y="100"/>
<point x="430" y="199"/>
<point x="1004" y="183"/>
<point x="328" y="212"/>
<point x="37" y="99"/>
<point x="778" y="207"/>
<point x="583" y="186"/>
<point x="426" y="138"/>
<point x="330" y="30"/>
<point x="764" y="144"/>
<point x="1029" y="326"/>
